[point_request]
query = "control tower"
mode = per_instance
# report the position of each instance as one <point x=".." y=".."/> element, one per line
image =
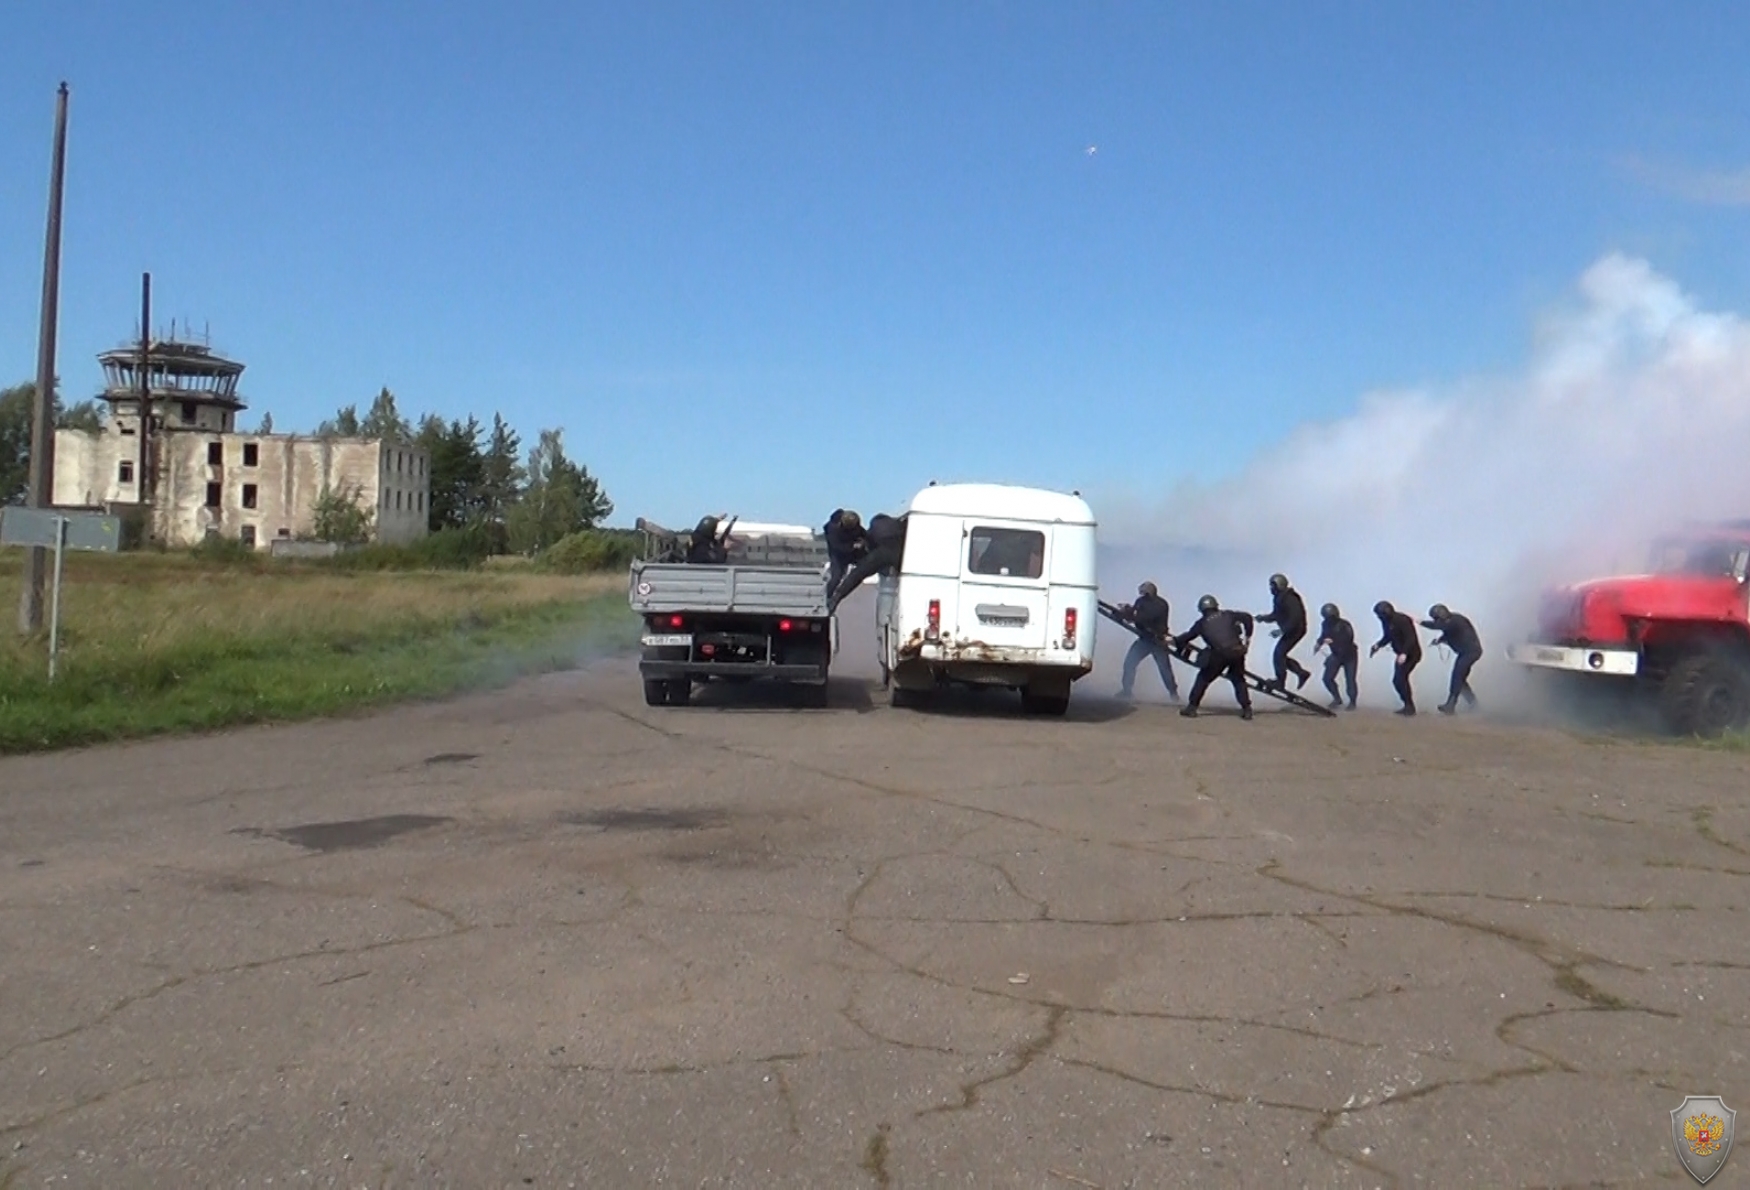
<point x="187" y="387"/>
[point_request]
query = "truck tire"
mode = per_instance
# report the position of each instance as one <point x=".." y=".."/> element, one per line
<point x="1043" y="704"/>
<point x="1706" y="695"/>
<point x="680" y="692"/>
<point x="655" y="692"/>
<point x="899" y="698"/>
<point x="815" y="696"/>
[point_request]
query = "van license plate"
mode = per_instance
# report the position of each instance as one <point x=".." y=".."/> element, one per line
<point x="669" y="640"/>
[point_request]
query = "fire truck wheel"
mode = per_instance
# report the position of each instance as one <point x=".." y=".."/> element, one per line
<point x="1706" y="695"/>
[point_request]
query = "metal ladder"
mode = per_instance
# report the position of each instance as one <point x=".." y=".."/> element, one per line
<point x="1192" y="655"/>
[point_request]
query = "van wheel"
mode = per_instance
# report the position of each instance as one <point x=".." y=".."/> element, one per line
<point x="655" y="692"/>
<point x="680" y="692"/>
<point x="1044" y="704"/>
<point x="1705" y="695"/>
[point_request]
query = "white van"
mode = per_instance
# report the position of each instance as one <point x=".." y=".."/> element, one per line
<point x="996" y="587"/>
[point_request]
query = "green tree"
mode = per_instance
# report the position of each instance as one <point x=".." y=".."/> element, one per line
<point x="17" y="411"/>
<point x="344" y="424"/>
<point x="17" y="404"/>
<point x="385" y="421"/>
<point x="561" y="498"/>
<point x="501" y="483"/>
<point x="457" y="471"/>
<point x="83" y="416"/>
<point x="341" y="516"/>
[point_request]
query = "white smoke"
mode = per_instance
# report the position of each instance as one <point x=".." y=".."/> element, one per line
<point x="1632" y="416"/>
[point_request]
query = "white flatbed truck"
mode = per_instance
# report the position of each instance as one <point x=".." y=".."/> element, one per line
<point x="762" y="615"/>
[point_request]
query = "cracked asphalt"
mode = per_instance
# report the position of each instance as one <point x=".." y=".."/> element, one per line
<point x="552" y="937"/>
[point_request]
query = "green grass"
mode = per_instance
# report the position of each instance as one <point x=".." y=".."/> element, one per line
<point x="165" y="643"/>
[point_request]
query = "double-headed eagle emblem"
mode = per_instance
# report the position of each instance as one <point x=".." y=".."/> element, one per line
<point x="1701" y="1128"/>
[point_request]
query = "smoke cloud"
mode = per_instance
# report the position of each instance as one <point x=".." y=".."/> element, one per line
<point x="1631" y="416"/>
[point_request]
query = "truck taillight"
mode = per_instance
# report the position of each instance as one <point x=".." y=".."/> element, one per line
<point x="934" y="630"/>
<point x="1069" y="628"/>
<point x="785" y="625"/>
<point x="668" y="621"/>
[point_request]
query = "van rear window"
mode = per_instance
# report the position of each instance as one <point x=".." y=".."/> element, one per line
<point x="1017" y="553"/>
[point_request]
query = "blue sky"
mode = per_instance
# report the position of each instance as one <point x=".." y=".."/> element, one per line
<point x="777" y="258"/>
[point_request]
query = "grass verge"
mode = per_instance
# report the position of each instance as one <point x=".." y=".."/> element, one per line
<point x="163" y="643"/>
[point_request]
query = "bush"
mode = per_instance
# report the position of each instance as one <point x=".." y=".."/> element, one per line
<point x="214" y="548"/>
<point x="589" y="551"/>
<point x="447" y="549"/>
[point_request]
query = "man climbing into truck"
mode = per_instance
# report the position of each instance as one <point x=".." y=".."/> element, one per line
<point x="846" y="542"/>
<point x="886" y="548"/>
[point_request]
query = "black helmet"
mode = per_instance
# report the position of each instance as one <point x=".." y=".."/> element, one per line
<point x="1207" y="604"/>
<point x="1329" y="611"/>
<point x="1439" y="612"/>
<point x="851" y="518"/>
<point x="1382" y="608"/>
<point x="1147" y="589"/>
<point x="1279" y="582"/>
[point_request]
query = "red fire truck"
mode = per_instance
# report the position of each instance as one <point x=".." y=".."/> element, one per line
<point x="1677" y="634"/>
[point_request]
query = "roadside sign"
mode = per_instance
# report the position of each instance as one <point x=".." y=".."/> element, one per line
<point x="59" y="529"/>
<point x="42" y="527"/>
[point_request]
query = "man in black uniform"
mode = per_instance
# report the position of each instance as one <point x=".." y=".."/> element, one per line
<point x="707" y="547"/>
<point x="1399" y="631"/>
<point x="846" y="541"/>
<point x="1338" y="635"/>
<point x="886" y="545"/>
<point x="1150" y="614"/>
<point x="1460" y="635"/>
<point x="1226" y="636"/>
<point x="1288" y="613"/>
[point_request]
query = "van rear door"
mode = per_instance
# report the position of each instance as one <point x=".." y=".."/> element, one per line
<point x="1004" y="593"/>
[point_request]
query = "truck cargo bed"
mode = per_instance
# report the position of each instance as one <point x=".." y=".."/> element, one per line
<point x="658" y="587"/>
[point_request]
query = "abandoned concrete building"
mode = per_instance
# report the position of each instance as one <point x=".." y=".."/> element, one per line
<point x="187" y="462"/>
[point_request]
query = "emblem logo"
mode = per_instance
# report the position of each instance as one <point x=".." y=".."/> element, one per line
<point x="644" y="588"/>
<point x="1701" y="1128"/>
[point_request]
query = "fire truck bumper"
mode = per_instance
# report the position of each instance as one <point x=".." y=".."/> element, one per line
<point x="1624" y="663"/>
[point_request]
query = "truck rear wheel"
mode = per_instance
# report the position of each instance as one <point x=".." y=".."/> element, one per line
<point x="655" y="692"/>
<point x="680" y="692"/>
<point x="1706" y="695"/>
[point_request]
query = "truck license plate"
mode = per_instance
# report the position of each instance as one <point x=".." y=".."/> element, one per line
<point x="1549" y="655"/>
<point x="668" y="640"/>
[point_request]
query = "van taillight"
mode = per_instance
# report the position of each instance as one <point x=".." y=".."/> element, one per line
<point x="934" y="630"/>
<point x="1069" y="629"/>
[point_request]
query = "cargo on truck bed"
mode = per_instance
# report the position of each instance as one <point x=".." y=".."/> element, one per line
<point x="761" y="614"/>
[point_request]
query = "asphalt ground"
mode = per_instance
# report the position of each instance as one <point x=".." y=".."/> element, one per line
<point x="550" y="936"/>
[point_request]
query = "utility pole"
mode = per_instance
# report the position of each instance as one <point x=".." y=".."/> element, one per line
<point x="42" y="429"/>
<point x="146" y="490"/>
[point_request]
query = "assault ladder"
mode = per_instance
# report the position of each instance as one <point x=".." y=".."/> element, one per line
<point x="1192" y="655"/>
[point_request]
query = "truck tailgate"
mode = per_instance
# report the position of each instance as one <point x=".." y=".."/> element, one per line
<point x="751" y="590"/>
